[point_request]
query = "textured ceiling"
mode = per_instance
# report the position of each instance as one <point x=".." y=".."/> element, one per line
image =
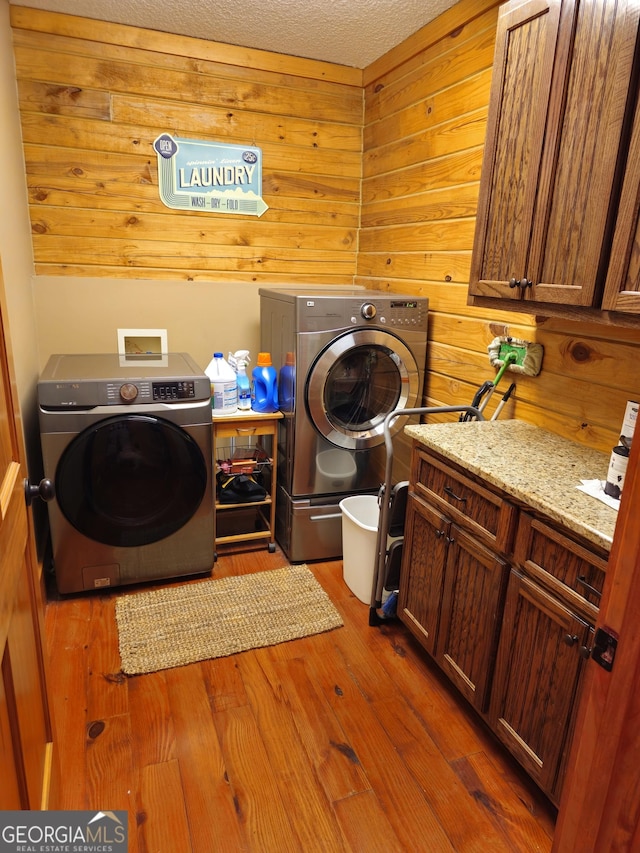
<point x="349" y="32"/>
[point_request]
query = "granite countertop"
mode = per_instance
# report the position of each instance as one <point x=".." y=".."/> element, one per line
<point x="537" y="467"/>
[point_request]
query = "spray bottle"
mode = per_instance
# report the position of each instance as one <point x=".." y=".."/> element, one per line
<point x="240" y="360"/>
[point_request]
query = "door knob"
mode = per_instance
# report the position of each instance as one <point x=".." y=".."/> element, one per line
<point x="44" y="490"/>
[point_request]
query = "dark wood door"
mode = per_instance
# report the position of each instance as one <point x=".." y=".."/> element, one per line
<point x="600" y="805"/>
<point x="26" y="755"/>
<point x="578" y="186"/>
<point x="550" y="189"/>
<point x="424" y="552"/>
<point x="474" y="580"/>
<point x="622" y="289"/>
<point x="520" y="93"/>
<point x="537" y="674"/>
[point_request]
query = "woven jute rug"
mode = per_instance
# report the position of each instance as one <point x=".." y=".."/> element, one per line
<point x="194" y="622"/>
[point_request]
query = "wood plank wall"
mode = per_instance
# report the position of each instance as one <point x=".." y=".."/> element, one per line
<point x="425" y="117"/>
<point x="94" y="96"/>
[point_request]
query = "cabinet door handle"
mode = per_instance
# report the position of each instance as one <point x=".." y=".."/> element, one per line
<point x="584" y="652"/>
<point x="453" y="495"/>
<point x="450" y="540"/>
<point x="523" y="284"/>
<point x="439" y="533"/>
<point x="570" y="639"/>
<point x="583" y="582"/>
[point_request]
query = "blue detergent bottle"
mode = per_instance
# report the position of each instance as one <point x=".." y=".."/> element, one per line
<point x="287" y="383"/>
<point x="264" y="385"/>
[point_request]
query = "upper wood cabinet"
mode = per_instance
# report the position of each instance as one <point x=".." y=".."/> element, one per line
<point x="562" y="90"/>
<point x="622" y="291"/>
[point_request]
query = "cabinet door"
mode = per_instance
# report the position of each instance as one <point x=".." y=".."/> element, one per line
<point x="578" y="187"/>
<point x="537" y="674"/>
<point x="526" y="41"/>
<point x="421" y="577"/>
<point x="551" y="200"/>
<point x="622" y="290"/>
<point x="474" y="582"/>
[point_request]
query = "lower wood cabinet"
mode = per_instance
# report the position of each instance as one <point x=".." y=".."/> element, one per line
<point x="452" y="598"/>
<point x="508" y="617"/>
<point x="424" y="554"/>
<point x="536" y="680"/>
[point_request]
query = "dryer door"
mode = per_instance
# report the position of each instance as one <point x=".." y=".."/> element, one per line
<point x="130" y="480"/>
<point x="355" y="382"/>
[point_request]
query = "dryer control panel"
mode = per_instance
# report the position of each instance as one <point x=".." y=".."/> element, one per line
<point x="403" y="313"/>
<point x="407" y="312"/>
<point x="319" y="313"/>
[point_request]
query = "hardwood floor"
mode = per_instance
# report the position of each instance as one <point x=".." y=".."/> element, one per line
<point x="344" y="741"/>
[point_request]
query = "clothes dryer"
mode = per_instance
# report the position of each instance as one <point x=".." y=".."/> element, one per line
<point x="352" y="356"/>
<point x="126" y="440"/>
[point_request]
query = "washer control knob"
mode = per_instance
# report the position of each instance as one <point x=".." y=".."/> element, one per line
<point x="128" y="392"/>
<point x="368" y="310"/>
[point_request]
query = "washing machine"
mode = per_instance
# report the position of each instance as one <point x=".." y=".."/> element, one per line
<point x="126" y="441"/>
<point x="347" y="357"/>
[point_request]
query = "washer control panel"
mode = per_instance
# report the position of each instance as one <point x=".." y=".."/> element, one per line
<point x="117" y="392"/>
<point x="128" y="392"/>
<point x="174" y="390"/>
<point x="146" y="391"/>
<point x="86" y="381"/>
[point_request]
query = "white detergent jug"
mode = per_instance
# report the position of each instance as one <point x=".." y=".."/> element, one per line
<point x="224" y="386"/>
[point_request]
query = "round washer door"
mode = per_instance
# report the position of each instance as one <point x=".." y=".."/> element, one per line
<point x="130" y="480"/>
<point x="355" y="382"/>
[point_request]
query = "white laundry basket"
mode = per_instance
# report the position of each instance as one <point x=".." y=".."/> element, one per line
<point x="360" y="519"/>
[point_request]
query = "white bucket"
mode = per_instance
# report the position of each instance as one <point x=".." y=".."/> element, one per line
<point x="335" y="471"/>
<point x="360" y="519"/>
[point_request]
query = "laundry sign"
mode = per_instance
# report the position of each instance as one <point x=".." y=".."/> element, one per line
<point x="208" y="176"/>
